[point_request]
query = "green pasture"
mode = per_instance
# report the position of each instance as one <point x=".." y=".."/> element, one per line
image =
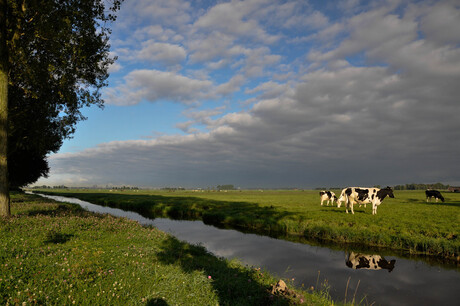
<point x="58" y="254"/>
<point x="406" y="223"/>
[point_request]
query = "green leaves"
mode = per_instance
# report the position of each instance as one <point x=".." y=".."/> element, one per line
<point x="58" y="59"/>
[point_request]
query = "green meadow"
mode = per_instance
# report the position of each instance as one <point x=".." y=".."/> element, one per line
<point x="58" y="254"/>
<point x="405" y="223"/>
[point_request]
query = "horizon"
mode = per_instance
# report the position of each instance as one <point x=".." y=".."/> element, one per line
<point x="235" y="188"/>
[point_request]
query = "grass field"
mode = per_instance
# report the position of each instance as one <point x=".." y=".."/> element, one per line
<point x="58" y="254"/>
<point x="406" y="223"/>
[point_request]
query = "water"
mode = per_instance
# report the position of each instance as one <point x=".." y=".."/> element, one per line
<point x="402" y="282"/>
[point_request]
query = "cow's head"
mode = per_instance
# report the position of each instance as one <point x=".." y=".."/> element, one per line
<point x="390" y="192"/>
<point x="339" y="201"/>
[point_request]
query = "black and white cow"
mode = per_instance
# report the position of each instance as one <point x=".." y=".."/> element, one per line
<point x="361" y="195"/>
<point x="327" y="195"/>
<point x="371" y="262"/>
<point x="431" y="193"/>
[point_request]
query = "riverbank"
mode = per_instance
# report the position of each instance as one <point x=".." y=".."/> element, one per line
<point x="406" y="223"/>
<point x="55" y="253"/>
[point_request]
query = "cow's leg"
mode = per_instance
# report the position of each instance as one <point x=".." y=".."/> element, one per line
<point x="322" y="202"/>
<point x="351" y="206"/>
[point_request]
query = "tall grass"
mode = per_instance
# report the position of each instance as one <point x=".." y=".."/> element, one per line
<point x="406" y="223"/>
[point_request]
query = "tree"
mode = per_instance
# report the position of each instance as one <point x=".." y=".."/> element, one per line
<point x="32" y="134"/>
<point x="54" y="59"/>
<point x="4" y="193"/>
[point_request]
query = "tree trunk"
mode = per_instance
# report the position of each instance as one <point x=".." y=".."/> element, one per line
<point x="4" y="190"/>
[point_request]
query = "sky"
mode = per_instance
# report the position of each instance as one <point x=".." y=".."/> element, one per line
<point x="274" y="94"/>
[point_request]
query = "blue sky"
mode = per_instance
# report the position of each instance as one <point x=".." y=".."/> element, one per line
<point x="263" y="93"/>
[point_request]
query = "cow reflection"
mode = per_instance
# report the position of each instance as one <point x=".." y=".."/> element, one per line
<point x="371" y="262"/>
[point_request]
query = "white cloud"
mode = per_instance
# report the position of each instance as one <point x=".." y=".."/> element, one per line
<point x="155" y="85"/>
<point x="231" y="86"/>
<point x="231" y="18"/>
<point x="315" y="20"/>
<point x="168" y="12"/>
<point x="165" y="53"/>
<point x="259" y="59"/>
<point x="158" y="33"/>
<point x="115" y="67"/>
<point x="439" y="20"/>
<point x="269" y="90"/>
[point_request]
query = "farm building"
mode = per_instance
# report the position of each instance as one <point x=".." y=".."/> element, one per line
<point x="454" y="189"/>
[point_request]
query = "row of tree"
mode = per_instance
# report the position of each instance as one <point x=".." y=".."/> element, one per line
<point x="421" y="186"/>
<point x="54" y="60"/>
<point x="405" y="187"/>
<point x="226" y="187"/>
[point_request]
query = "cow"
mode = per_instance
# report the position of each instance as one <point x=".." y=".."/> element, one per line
<point x="371" y="262"/>
<point x="431" y="193"/>
<point x="363" y="191"/>
<point x="327" y="195"/>
<point x="360" y="195"/>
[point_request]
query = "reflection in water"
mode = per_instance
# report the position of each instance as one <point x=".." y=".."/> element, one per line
<point x="414" y="282"/>
<point x="370" y="262"/>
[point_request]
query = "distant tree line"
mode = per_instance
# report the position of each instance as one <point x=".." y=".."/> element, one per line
<point x="420" y="186"/>
<point x="124" y="188"/>
<point x="93" y="187"/>
<point x="50" y="187"/>
<point x="172" y="189"/>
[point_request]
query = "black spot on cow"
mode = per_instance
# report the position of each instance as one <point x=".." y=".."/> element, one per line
<point x="363" y="194"/>
<point x="362" y="263"/>
<point x="387" y="265"/>
<point x="348" y="191"/>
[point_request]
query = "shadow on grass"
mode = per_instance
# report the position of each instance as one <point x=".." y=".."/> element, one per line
<point x="159" y="302"/>
<point x="422" y="201"/>
<point x="57" y="238"/>
<point x="234" y="286"/>
<point x="447" y="202"/>
<point x="61" y="209"/>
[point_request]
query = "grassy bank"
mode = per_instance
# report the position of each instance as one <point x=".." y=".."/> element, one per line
<point x="54" y="253"/>
<point x="406" y="223"/>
